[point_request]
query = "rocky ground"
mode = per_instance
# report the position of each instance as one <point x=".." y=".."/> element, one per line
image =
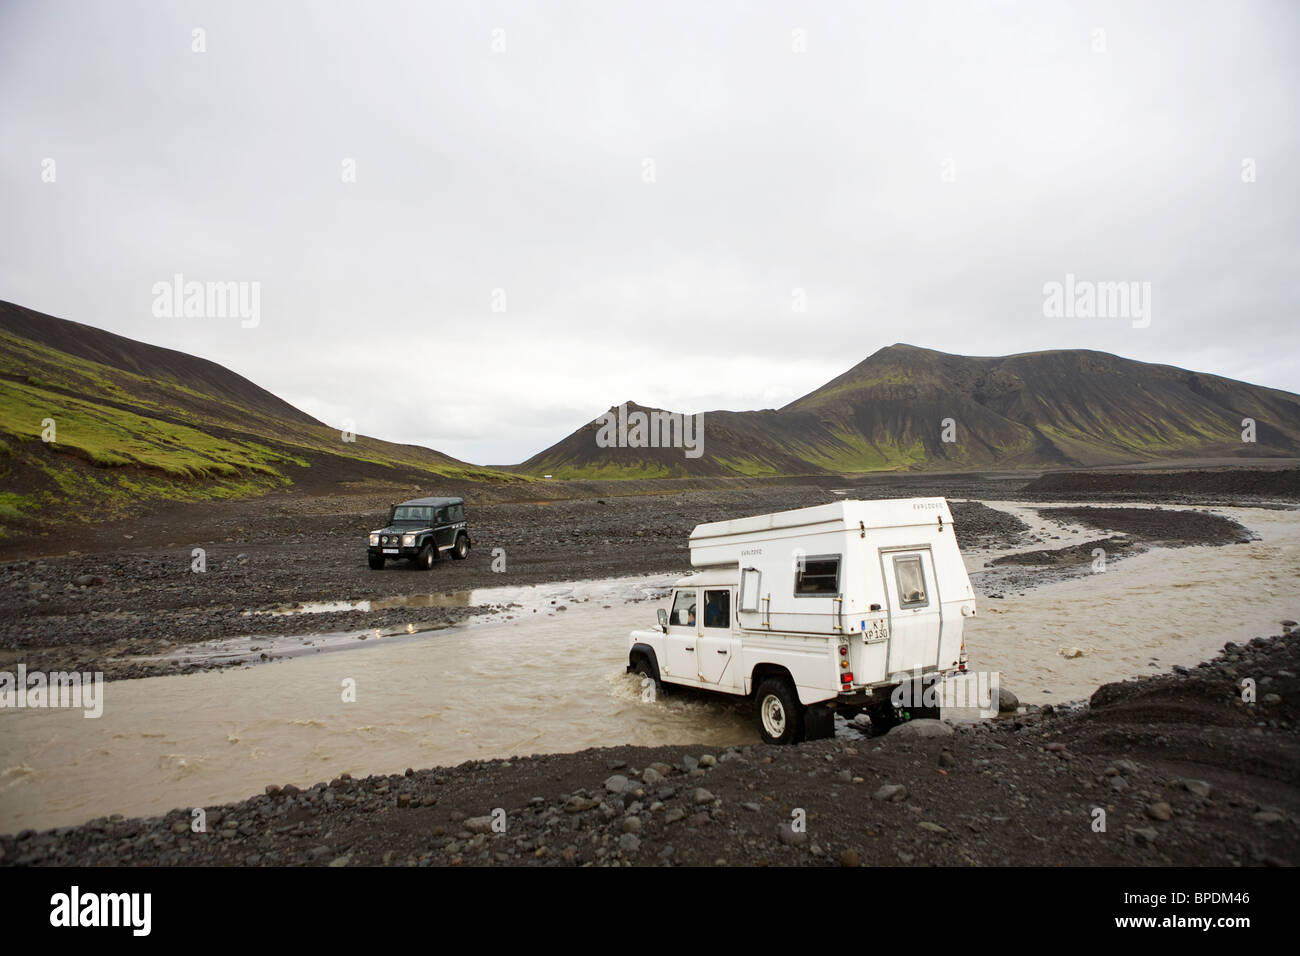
<point x="1175" y="769"/>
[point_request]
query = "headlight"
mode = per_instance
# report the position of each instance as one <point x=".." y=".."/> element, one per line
<point x="408" y="541"/>
<point x="374" y="540"/>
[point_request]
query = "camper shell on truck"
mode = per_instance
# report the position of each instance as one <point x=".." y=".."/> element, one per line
<point x="816" y="610"/>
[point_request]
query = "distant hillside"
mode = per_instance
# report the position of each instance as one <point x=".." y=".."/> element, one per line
<point x="135" y="423"/>
<point x="1039" y="409"/>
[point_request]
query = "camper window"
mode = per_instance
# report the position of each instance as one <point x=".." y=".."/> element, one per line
<point x="717" y="609"/>
<point x="818" y="576"/>
<point x="684" y="609"/>
<point x="750" y="580"/>
<point x="911" y="581"/>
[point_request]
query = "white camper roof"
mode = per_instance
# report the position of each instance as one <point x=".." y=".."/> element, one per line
<point x="887" y="513"/>
<point x="712" y="577"/>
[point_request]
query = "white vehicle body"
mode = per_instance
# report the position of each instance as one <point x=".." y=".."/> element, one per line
<point x="843" y="601"/>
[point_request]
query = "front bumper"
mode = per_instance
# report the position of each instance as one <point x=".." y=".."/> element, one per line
<point x="388" y="551"/>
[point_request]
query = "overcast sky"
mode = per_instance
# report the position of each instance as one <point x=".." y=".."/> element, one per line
<point x="648" y="184"/>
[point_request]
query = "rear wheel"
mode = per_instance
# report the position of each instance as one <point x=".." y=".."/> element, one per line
<point x="780" y="715"/>
<point x="460" y="551"/>
<point x="818" y="723"/>
<point x="376" y="562"/>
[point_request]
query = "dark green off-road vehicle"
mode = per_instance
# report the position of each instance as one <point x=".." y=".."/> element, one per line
<point x="421" y="530"/>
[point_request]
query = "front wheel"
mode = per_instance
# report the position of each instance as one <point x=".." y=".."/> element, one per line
<point x="376" y="562"/>
<point x="647" y="675"/>
<point x="424" y="560"/>
<point x="461" y="549"/>
<point x="780" y="715"/>
<point x="883" y="717"/>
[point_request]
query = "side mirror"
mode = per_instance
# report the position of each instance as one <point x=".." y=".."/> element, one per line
<point x="663" y="620"/>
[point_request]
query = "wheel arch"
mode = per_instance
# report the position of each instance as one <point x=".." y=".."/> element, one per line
<point x="641" y="649"/>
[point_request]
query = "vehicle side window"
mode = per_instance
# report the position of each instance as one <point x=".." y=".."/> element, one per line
<point x="819" y="576"/>
<point x="442" y="516"/>
<point x="911" y="581"/>
<point x="458" y="513"/>
<point x="684" y="609"/>
<point x="717" y="609"/>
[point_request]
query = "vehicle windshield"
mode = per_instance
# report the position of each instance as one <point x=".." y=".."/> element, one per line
<point x="413" y="513"/>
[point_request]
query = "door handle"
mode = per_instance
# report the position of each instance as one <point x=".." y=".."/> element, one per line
<point x="722" y="652"/>
<point x="690" y="648"/>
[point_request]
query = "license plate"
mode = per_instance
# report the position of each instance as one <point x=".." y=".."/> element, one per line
<point x="390" y="551"/>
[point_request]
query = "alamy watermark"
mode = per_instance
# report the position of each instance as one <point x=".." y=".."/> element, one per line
<point x="1085" y="299"/>
<point x="656" y="429"/>
<point x="56" y="689"/>
<point x="179" y="299"/>
<point x="967" y="689"/>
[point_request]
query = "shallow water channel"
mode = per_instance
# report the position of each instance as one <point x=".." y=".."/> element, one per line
<point x="551" y="680"/>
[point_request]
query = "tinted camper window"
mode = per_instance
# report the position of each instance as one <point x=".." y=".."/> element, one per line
<point x="911" y="581"/>
<point x="818" y="576"/>
<point x="717" y="609"/>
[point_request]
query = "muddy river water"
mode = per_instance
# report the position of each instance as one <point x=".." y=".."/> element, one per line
<point x="550" y="680"/>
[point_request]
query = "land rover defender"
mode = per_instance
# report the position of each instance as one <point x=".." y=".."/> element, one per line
<point x="818" y="610"/>
<point x="421" y="530"/>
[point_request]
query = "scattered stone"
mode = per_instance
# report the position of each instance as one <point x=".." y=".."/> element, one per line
<point x="790" y="836"/>
<point x="1160" y="811"/>
<point x="921" y="727"/>
<point x="893" y="792"/>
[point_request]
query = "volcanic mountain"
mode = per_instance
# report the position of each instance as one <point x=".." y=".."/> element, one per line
<point x="909" y="408"/>
<point x="97" y="424"/>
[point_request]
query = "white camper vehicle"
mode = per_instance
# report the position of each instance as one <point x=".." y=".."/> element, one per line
<point x="815" y="610"/>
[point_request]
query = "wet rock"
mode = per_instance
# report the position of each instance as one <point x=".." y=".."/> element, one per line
<point x="479" y="824"/>
<point x="702" y="796"/>
<point x="1008" y="703"/>
<point x="616" y="784"/>
<point x="1198" y="787"/>
<point x="923" y="727"/>
<point x="850" y="858"/>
